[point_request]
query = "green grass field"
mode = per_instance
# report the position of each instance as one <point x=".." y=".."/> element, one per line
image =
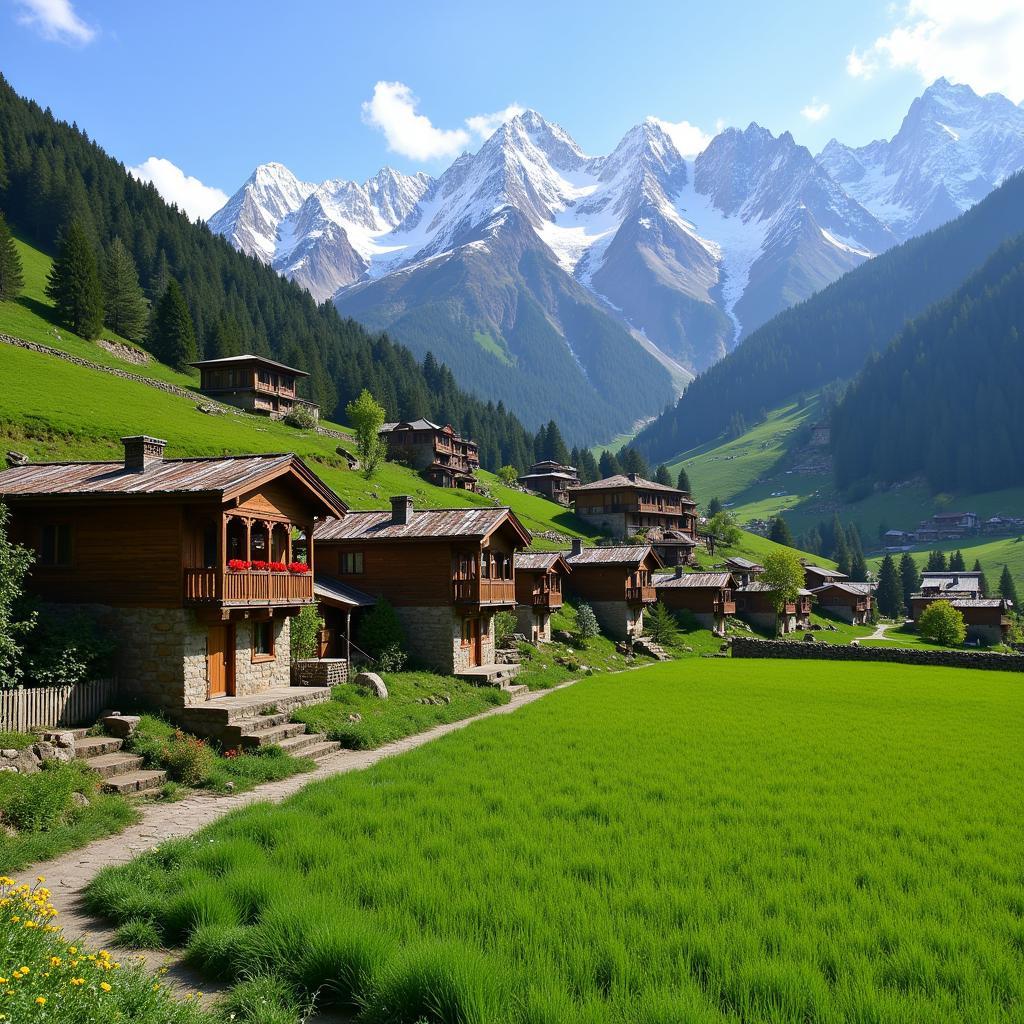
<point x="706" y="841"/>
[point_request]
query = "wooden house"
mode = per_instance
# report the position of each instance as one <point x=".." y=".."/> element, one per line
<point x="539" y="586"/>
<point x="960" y="584"/>
<point x="817" y="576"/>
<point x="195" y="565"/>
<point x="255" y="384"/>
<point x="707" y="596"/>
<point x="627" y="504"/>
<point x="846" y="600"/>
<point x="755" y="604"/>
<point x="551" y="480"/>
<point x="986" y="619"/>
<point x="617" y="583"/>
<point x="744" y="571"/>
<point x="443" y="457"/>
<point x="445" y="571"/>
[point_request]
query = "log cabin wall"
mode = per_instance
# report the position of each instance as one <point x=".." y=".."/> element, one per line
<point x="406" y="574"/>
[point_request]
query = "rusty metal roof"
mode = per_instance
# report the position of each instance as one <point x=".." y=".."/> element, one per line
<point x="424" y="524"/>
<point x="623" y="554"/>
<point x="629" y="480"/>
<point x="221" y="477"/>
<point x="238" y="360"/>
<point x="700" y="580"/>
<point x="541" y="561"/>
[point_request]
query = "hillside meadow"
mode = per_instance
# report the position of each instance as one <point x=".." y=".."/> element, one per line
<point x="711" y="842"/>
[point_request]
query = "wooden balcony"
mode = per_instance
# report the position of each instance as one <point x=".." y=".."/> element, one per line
<point x="547" y="599"/>
<point x="641" y="595"/>
<point x="725" y="607"/>
<point x="484" y="591"/>
<point x="247" y="587"/>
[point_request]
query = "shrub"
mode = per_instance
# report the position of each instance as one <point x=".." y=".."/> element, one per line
<point x="661" y="625"/>
<point x="67" y="649"/>
<point x="300" y="417"/>
<point x="381" y="629"/>
<point x="305" y="632"/>
<point x="138" y="934"/>
<point x="392" y="659"/>
<point x="188" y="759"/>
<point x="505" y="624"/>
<point x="508" y="475"/>
<point x="943" y="624"/>
<point x="38" y="802"/>
<point x="587" y="623"/>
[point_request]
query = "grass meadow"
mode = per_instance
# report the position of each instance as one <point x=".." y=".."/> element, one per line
<point x="706" y="841"/>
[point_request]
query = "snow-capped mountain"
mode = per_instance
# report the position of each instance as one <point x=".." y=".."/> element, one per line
<point x="952" y="149"/>
<point x="531" y="253"/>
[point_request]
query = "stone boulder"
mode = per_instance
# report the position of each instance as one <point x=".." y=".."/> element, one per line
<point x="121" y="726"/>
<point x="371" y="681"/>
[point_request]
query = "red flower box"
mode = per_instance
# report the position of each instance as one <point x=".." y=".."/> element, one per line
<point x="238" y="564"/>
<point x="278" y="567"/>
<point x="261" y="566"/>
<point x="298" y="567"/>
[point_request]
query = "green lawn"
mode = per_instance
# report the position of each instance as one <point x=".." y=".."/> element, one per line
<point x="704" y="841"/>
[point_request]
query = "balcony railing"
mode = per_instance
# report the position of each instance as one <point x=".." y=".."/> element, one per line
<point x="485" y="591"/>
<point x="725" y="607"/>
<point x="211" y="586"/>
<point x="547" y="599"/>
<point x="641" y="595"/>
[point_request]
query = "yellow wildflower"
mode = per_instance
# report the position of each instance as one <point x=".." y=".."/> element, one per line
<point x="40" y="1000"/>
<point x="105" y="986"/>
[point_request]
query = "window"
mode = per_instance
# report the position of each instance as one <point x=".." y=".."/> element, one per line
<point x="350" y="563"/>
<point x="263" y="640"/>
<point x="55" y="544"/>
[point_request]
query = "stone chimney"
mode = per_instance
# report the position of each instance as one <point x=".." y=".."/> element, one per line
<point x="679" y="572"/>
<point x="631" y="476"/>
<point x="141" y="452"/>
<point x="577" y="547"/>
<point x="401" y="509"/>
<point x="15" y="459"/>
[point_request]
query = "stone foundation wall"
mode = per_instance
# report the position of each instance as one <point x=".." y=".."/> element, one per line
<point x="253" y="677"/>
<point x="615" y="523"/>
<point x="767" y="620"/>
<point x="320" y="672"/>
<point x="746" y="647"/>
<point x="618" y="620"/>
<point x="434" y="637"/>
<point x="534" y="625"/>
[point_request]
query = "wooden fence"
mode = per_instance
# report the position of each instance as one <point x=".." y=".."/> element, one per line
<point x="25" y="707"/>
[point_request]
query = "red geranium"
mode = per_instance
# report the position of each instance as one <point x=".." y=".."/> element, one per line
<point x="238" y="564"/>
<point x="261" y="565"/>
<point x="298" y="567"/>
<point x="278" y="567"/>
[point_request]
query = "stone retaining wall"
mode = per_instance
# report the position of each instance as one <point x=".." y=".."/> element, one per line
<point x="319" y="672"/>
<point x="748" y="647"/>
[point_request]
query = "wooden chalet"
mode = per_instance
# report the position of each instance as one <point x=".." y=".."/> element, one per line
<point x="846" y="600"/>
<point x="744" y="571"/>
<point x="707" y="596"/>
<point x="617" y="583"/>
<point x="443" y="457"/>
<point x="817" y="576"/>
<point x="551" y="480"/>
<point x="755" y="604"/>
<point x="947" y="526"/>
<point x="445" y="571"/>
<point x="255" y="384"/>
<point x="960" y="584"/>
<point x="986" y="618"/>
<point x="539" y="587"/>
<point x="195" y="565"/>
<point x="627" y="504"/>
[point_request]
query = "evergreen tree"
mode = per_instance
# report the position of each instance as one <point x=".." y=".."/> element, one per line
<point x="910" y="579"/>
<point x="366" y="415"/>
<point x="683" y="481"/>
<point x="633" y="462"/>
<point x="780" y="532"/>
<point x="587" y="467"/>
<point x="172" y="335"/>
<point x="554" y="446"/>
<point x="1007" y="588"/>
<point x="956" y="562"/>
<point x="609" y="465"/>
<point x="124" y="305"/>
<point x="853" y="541"/>
<point x="841" y="553"/>
<point x="662" y="476"/>
<point x="714" y="507"/>
<point x="936" y="562"/>
<point x="11" y="279"/>
<point x="982" y="578"/>
<point x="858" y="567"/>
<point x="890" y="594"/>
<point x="74" y="283"/>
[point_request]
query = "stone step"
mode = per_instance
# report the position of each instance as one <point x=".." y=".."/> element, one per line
<point x="92" y="746"/>
<point x="51" y="734"/>
<point x="321" y="749"/>
<point x="118" y="763"/>
<point x="261" y="722"/>
<point x="275" y="735"/>
<point x="516" y="689"/>
<point x="298" y="745"/>
<point x="132" y="783"/>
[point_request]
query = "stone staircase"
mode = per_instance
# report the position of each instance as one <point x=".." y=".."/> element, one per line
<point x="276" y="730"/>
<point x="500" y="676"/>
<point x="121" y="771"/>
<point x="645" y="645"/>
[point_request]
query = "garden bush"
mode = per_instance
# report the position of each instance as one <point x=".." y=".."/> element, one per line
<point x="37" y="802"/>
<point x="943" y="624"/>
<point x="505" y="624"/>
<point x="301" y="418"/>
<point x="660" y="624"/>
<point x="587" y="623"/>
<point x="188" y="759"/>
<point x="381" y="629"/>
<point x="67" y="648"/>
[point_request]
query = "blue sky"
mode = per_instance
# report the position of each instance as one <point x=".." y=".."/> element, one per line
<point x="339" y="89"/>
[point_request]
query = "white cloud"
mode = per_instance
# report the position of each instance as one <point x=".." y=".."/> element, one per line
<point x="393" y="111"/>
<point x="688" y="138"/>
<point x="485" y="125"/>
<point x="55" y="20"/>
<point x="815" y="111"/>
<point x="196" y="199"/>
<point x="977" y="43"/>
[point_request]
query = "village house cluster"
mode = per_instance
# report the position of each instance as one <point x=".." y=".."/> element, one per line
<point x="945" y="526"/>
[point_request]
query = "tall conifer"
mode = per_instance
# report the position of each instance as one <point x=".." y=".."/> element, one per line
<point x="124" y="306"/>
<point x="11" y="277"/>
<point x="74" y="283"/>
<point x="172" y="335"/>
<point x="890" y="592"/>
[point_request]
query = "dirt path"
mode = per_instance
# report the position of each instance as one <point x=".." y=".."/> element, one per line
<point x="68" y="875"/>
<point x="880" y="631"/>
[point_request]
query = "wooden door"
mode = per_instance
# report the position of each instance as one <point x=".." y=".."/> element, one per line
<point x="218" y="661"/>
<point x="476" y="646"/>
